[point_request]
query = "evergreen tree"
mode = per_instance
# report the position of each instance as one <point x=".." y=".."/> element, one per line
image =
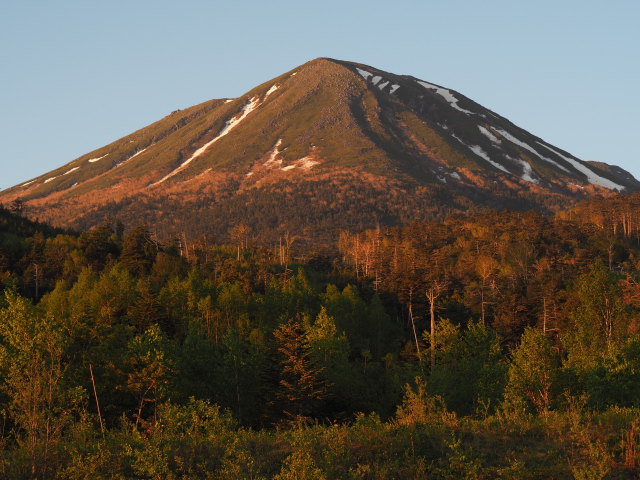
<point x="99" y="246"/>
<point x="300" y="386"/>
<point x="138" y="251"/>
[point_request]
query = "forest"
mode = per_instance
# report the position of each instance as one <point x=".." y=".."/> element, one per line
<point x="494" y="345"/>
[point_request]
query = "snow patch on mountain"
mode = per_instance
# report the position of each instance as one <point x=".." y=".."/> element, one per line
<point x="529" y="148"/>
<point x="527" y="170"/>
<point x="446" y="94"/>
<point x="72" y="170"/>
<point x="376" y="79"/>
<point x="49" y="179"/>
<point x="251" y="105"/>
<point x="27" y="183"/>
<point x="273" y="88"/>
<point x="272" y="161"/>
<point x="364" y="73"/>
<point x="136" y="154"/>
<point x="306" y="162"/>
<point x="477" y="149"/>
<point x="487" y="133"/>
<point x="592" y="176"/>
<point x="139" y="152"/>
<point x="93" y="160"/>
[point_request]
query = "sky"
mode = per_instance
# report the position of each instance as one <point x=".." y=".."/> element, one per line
<point x="77" y="75"/>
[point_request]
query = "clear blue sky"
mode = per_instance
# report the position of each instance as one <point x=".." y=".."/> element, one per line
<point x="77" y="75"/>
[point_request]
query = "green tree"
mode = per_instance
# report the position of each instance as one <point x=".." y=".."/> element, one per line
<point x="598" y="321"/>
<point x="350" y="314"/>
<point x="329" y="354"/>
<point x="241" y="373"/>
<point x="33" y="361"/>
<point x="532" y="373"/>
<point x="615" y="380"/>
<point x="470" y="370"/>
<point x="93" y="313"/>
<point x="150" y="367"/>
<point x="384" y="334"/>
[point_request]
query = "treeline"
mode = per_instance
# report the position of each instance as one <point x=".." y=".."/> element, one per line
<point x="454" y="349"/>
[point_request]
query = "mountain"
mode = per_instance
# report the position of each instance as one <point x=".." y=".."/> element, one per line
<point x="330" y="144"/>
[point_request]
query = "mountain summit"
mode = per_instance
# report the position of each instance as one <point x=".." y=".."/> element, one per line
<point x="330" y="144"/>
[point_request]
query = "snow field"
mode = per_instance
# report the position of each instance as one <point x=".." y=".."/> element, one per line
<point x="274" y="162"/>
<point x="93" y="160"/>
<point x="527" y="170"/>
<point x="306" y="162"/>
<point x="527" y="147"/>
<point x="592" y="176"/>
<point x="271" y="161"/>
<point x="273" y="88"/>
<point x="446" y="94"/>
<point x="135" y="154"/>
<point x="477" y="149"/>
<point x="375" y="80"/>
<point x="487" y="133"/>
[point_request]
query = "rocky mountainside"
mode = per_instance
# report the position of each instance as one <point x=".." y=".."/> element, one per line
<point x="328" y="145"/>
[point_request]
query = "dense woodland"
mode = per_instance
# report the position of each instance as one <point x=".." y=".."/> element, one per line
<point x="501" y="345"/>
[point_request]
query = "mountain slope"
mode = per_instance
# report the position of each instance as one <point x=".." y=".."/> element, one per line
<point x="358" y="145"/>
